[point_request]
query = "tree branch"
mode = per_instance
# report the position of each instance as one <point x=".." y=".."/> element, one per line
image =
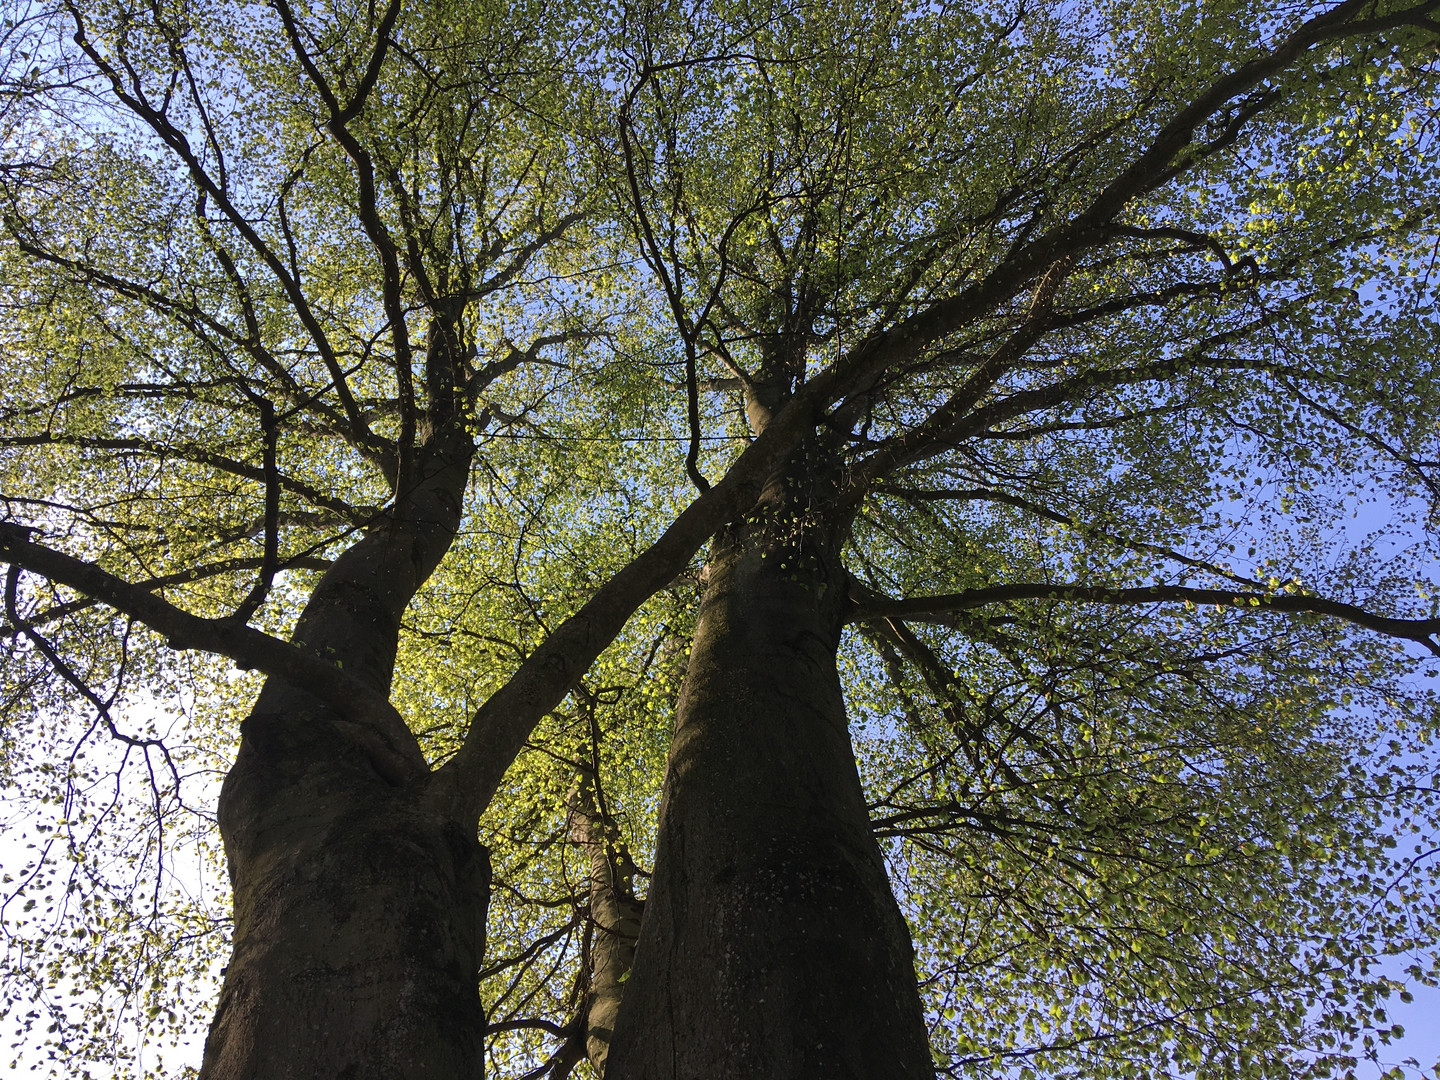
<point x="1153" y="167"/>
<point x="368" y="210"/>
<point x="225" y="637"/>
<point x="934" y="608"/>
<point x="199" y="456"/>
<point x="134" y="99"/>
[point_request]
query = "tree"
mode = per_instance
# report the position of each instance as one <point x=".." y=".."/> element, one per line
<point x="759" y="861"/>
<point x="996" y="314"/>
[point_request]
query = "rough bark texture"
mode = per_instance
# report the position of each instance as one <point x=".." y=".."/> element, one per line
<point x="772" y="946"/>
<point x="359" y="929"/>
<point x="359" y="907"/>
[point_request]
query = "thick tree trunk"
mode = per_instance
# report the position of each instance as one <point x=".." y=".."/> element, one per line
<point x="772" y="946"/>
<point x="359" y="929"/>
<point x="359" y="907"/>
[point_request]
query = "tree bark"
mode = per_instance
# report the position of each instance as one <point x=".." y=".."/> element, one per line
<point x="615" y="917"/>
<point x="772" y="946"/>
<point x="359" y="906"/>
<point x="359" y="928"/>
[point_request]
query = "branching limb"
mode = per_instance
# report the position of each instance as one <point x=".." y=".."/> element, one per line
<point x="369" y="213"/>
<point x="1194" y="241"/>
<point x="70" y="675"/>
<point x="199" y="456"/>
<point x="672" y="286"/>
<point x="926" y="495"/>
<point x="1162" y="161"/>
<point x="131" y="95"/>
<point x="225" y="637"/>
<point x="935" y="608"/>
<point x="180" y="577"/>
<point x="271" y="559"/>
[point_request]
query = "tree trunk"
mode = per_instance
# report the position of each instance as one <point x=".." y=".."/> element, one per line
<point x="359" y="929"/>
<point x="772" y="946"/>
<point x="359" y="907"/>
<point x="615" y="917"/>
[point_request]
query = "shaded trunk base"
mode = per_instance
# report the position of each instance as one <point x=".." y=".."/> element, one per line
<point x="359" y="928"/>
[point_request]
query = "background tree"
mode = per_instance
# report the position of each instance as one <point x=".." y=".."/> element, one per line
<point x="966" y="314"/>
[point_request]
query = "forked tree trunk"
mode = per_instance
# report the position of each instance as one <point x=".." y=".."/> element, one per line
<point x="359" y="908"/>
<point x="772" y="946"/>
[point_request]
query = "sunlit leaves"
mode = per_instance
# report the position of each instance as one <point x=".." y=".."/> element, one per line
<point x="1135" y="841"/>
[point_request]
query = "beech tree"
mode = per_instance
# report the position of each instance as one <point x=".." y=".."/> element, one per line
<point x="918" y="440"/>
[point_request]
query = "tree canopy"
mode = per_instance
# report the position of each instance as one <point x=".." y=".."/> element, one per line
<point x="1104" y="336"/>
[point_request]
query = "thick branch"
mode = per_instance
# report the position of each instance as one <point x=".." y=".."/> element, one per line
<point x="225" y="637"/>
<point x="1155" y="164"/>
<point x="180" y="577"/>
<point x="933" y="608"/>
<point x="1152" y="168"/>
